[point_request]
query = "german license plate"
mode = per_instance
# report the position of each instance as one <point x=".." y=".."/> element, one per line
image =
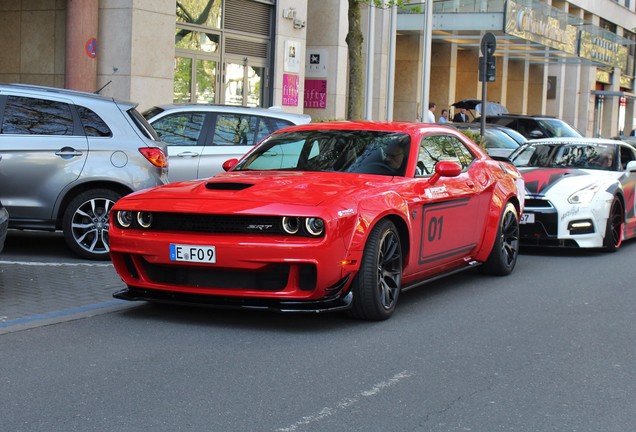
<point x="527" y="218"/>
<point x="193" y="253"/>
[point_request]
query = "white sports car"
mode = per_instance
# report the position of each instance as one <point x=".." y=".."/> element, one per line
<point x="579" y="192"/>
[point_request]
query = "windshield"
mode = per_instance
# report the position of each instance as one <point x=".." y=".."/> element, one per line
<point x="584" y="156"/>
<point x="360" y="151"/>
<point x="558" y="128"/>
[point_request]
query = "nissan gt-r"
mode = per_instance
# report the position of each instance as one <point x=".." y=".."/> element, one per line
<point x="579" y="192"/>
<point x="323" y="217"/>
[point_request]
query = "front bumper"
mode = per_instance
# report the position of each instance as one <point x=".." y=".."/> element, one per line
<point x="576" y="226"/>
<point x="334" y="304"/>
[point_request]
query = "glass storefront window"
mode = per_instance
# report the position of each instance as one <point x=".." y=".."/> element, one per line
<point x="234" y="77"/>
<point x="206" y="81"/>
<point x="182" y="79"/>
<point x="205" y="13"/>
<point x="254" y="86"/>
<point x="197" y="41"/>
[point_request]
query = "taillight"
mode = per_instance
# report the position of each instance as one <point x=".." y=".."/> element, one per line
<point x="155" y="156"/>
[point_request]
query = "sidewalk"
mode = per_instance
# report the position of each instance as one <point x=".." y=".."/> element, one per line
<point x="38" y="293"/>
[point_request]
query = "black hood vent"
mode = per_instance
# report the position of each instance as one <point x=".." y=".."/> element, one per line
<point x="229" y="186"/>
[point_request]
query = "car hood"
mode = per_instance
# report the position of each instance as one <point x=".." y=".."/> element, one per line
<point x="539" y="180"/>
<point x="298" y="188"/>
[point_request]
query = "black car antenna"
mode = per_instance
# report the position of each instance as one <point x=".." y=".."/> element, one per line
<point x="103" y="87"/>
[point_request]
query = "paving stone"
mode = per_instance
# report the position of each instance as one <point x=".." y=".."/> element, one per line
<point x="28" y="290"/>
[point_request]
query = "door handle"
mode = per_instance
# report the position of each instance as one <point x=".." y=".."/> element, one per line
<point x="68" y="152"/>
<point x="188" y="154"/>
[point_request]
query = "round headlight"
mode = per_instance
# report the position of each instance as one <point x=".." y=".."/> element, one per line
<point x="124" y="218"/>
<point x="314" y="226"/>
<point x="291" y="225"/>
<point x="144" y="219"/>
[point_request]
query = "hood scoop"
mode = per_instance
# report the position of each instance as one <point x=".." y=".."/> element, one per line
<point x="228" y="186"/>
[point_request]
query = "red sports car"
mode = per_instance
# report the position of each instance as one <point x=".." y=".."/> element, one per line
<point x="320" y="217"/>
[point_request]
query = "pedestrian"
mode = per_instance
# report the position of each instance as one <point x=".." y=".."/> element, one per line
<point x="431" y="110"/>
<point x="443" y="118"/>
<point x="461" y="116"/>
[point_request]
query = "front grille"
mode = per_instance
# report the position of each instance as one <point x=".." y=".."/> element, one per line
<point x="216" y="223"/>
<point x="271" y="278"/>
<point x="545" y="226"/>
<point x="537" y="203"/>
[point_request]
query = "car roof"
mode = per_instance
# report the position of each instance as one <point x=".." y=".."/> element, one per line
<point x="383" y="126"/>
<point x="35" y="90"/>
<point x="273" y="111"/>
<point x="574" y="140"/>
<point x="528" y="116"/>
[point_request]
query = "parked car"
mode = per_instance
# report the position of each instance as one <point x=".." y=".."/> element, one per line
<point x="629" y="139"/>
<point x="500" y="141"/>
<point x="201" y="137"/>
<point x="325" y="216"/>
<point x="533" y="127"/>
<point x="580" y="192"/>
<point x="4" y="225"/>
<point x="68" y="156"/>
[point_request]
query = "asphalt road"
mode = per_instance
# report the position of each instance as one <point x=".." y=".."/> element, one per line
<point x="550" y="348"/>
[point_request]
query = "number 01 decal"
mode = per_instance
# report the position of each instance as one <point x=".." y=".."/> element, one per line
<point x="446" y="231"/>
<point x="435" y="226"/>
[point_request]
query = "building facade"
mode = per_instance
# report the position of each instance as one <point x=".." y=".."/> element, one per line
<point x="570" y="59"/>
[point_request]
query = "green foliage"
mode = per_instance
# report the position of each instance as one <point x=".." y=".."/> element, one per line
<point x="476" y="137"/>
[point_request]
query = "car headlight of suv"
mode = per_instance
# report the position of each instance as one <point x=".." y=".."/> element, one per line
<point x="585" y="195"/>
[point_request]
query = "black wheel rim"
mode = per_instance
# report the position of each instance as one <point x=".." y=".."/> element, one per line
<point x="89" y="225"/>
<point x="389" y="269"/>
<point x="616" y="225"/>
<point x="510" y="238"/>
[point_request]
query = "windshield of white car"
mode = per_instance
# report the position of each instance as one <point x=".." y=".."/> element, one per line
<point x="355" y="151"/>
<point x="583" y="156"/>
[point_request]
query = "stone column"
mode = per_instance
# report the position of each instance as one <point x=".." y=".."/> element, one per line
<point x="80" y="66"/>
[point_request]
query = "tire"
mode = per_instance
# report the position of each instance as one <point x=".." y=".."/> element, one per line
<point x="503" y="256"/>
<point x="85" y="223"/>
<point x="377" y="285"/>
<point x="614" y="227"/>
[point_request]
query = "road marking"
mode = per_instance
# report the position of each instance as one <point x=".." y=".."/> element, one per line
<point x="346" y="402"/>
<point x="63" y="315"/>
<point x="52" y="264"/>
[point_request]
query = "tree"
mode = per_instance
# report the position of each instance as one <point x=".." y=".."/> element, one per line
<point x="354" y="40"/>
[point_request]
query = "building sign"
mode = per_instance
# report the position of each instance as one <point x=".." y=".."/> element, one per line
<point x="291" y="61"/>
<point x="290" y="89"/>
<point x="316" y="63"/>
<point x="316" y="93"/>
<point x="533" y="25"/>
<point x="602" y="50"/>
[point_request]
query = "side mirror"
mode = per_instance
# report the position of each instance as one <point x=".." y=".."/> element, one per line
<point x="536" y="134"/>
<point x="229" y="164"/>
<point x="631" y="166"/>
<point x="445" y="169"/>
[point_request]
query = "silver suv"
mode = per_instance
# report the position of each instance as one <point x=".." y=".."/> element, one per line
<point x="201" y="137"/>
<point x="67" y="156"/>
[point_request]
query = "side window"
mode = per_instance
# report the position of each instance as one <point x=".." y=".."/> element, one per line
<point x="93" y="124"/>
<point x="267" y="125"/>
<point x="32" y="116"/>
<point x="627" y="155"/>
<point x="441" y="147"/>
<point x="182" y="129"/>
<point x="234" y="129"/>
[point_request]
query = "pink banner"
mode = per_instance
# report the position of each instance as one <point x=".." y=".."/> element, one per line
<point x="315" y="93"/>
<point x="290" y="89"/>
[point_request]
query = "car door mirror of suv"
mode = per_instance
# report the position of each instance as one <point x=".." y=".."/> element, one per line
<point x="536" y="133"/>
